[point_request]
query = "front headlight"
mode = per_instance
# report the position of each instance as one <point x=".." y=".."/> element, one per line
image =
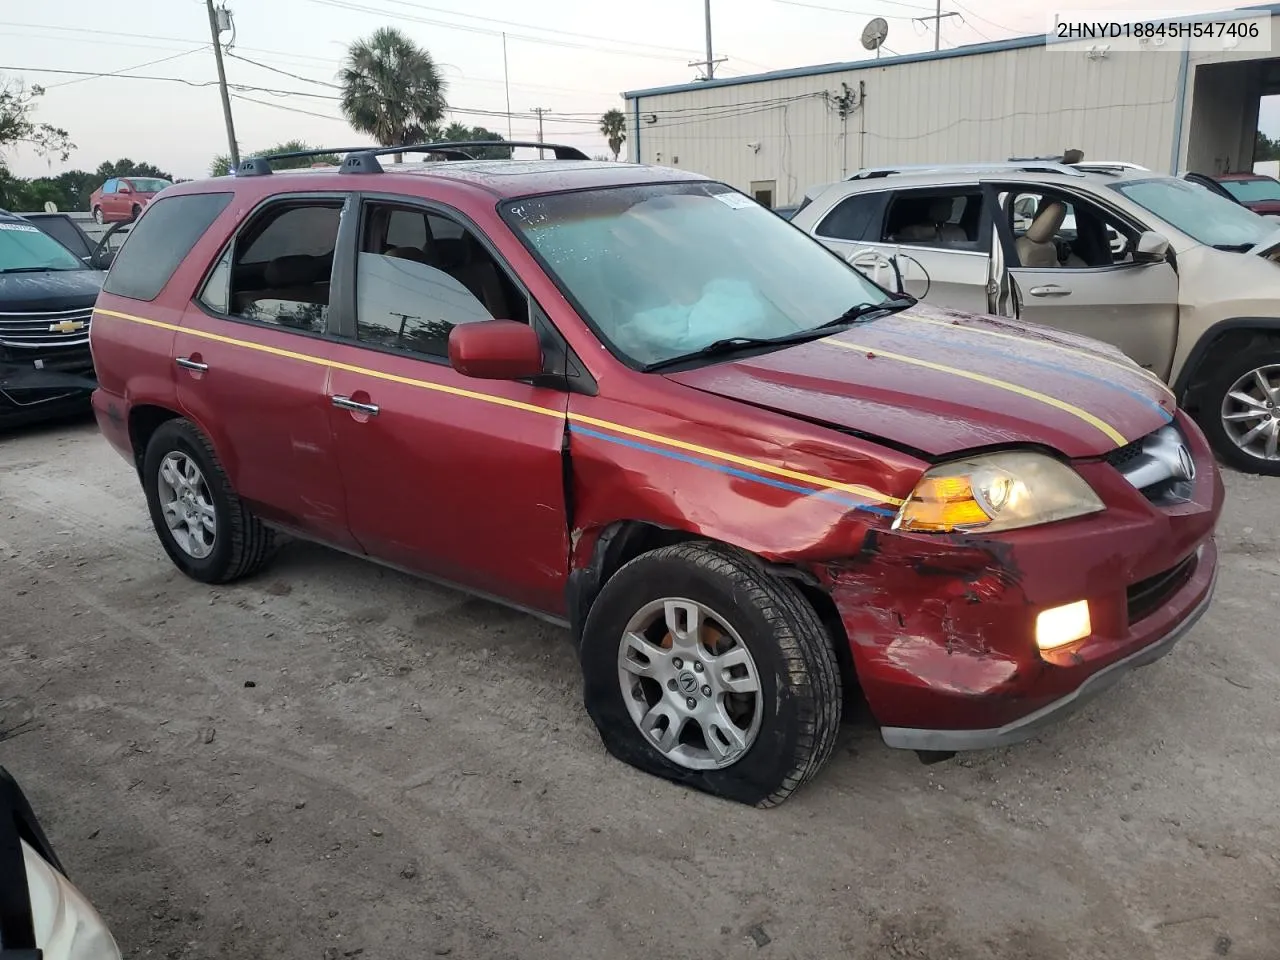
<point x="998" y="491"/>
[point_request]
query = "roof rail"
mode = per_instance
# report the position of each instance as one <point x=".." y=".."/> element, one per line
<point x="365" y="159"/>
<point x="1030" y="166"/>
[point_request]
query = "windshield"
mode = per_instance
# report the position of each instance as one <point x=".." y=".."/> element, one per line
<point x="147" y="185"/>
<point x="24" y="248"/>
<point x="1248" y="191"/>
<point x="662" y="270"/>
<point x="1198" y="212"/>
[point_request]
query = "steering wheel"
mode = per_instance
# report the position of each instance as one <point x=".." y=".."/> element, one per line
<point x="878" y="268"/>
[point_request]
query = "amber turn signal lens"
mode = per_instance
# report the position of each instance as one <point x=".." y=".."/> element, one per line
<point x="941" y="504"/>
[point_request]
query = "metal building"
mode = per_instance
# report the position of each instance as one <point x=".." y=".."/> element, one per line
<point x="1169" y="108"/>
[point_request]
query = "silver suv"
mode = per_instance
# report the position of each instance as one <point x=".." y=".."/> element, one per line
<point x="1185" y="282"/>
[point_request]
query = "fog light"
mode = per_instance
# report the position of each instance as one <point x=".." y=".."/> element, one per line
<point x="1059" y="626"/>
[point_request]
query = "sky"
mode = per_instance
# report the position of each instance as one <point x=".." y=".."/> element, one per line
<point x="571" y="57"/>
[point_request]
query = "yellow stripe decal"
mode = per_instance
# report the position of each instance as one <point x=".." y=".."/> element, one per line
<point x="855" y="489"/>
<point x="1127" y="367"/>
<point x="1075" y="411"/>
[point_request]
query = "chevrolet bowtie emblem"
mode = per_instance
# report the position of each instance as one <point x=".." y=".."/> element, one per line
<point x="67" y="326"/>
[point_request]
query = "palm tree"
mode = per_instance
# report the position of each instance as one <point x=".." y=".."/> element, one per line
<point x="614" y="127"/>
<point x="391" y="88"/>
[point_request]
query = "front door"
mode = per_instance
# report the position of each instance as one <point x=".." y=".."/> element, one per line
<point x="1071" y="266"/>
<point x="454" y="477"/>
<point x="253" y="369"/>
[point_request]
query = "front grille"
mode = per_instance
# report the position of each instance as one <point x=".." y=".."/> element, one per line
<point x="58" y="328"/>
<point x="1147" y="596"/>
<point x="1157" y="465"/>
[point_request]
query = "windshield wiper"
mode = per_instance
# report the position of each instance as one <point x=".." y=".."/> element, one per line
<point x="1234" y="247"/>
<point x="26" y="269"/>
<point x="734" y="344"/>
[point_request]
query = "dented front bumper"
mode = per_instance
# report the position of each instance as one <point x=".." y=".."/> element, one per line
<point x="942" y="629"/>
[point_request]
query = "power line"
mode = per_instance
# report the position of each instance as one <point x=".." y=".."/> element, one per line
<point x="284" y="73"/>
<point x="860" y="13"/>
<point x="978" y="16"/>
<point x="116" y="73"/>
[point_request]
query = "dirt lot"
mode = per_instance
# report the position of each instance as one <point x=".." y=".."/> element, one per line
<point x="335" y="760"/>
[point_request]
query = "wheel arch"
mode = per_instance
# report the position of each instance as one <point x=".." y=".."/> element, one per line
<point x="623" y="540"/>
<point x="144" y="421"/>
<point x="1224" y="338"/>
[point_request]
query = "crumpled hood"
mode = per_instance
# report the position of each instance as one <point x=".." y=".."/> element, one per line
<point x="940" y="382"/>
<point x="53" y="290"/>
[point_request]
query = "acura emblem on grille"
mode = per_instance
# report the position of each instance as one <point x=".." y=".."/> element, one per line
<point x="66" y="326"/>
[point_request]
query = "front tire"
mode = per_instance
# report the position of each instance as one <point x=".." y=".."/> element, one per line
<point x="1239" y="411"/>
<point x="134" y="213"/>
<point x="208" y="532"/>
<point x="702" y="668"/>
<point x="97" y="216"/>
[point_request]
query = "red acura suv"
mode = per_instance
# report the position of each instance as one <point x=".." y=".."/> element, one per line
<point x="633" y="401"/>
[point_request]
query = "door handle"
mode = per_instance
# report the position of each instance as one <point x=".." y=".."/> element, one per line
<point x="188" y="364"/>
<point x="346" y="403"/>
<point x="1050" y="290"/>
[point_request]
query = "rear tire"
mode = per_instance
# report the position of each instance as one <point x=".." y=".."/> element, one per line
<point x="208" y="532"/>
<point x="134" y="213"/>
<point x="1233" y="404"/>
<point x="754" y="748"/>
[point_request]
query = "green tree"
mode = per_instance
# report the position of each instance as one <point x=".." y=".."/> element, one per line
<point x="125" y="167"/>
<point x="614" y="127"/>
<point x="459" y="132"/>
<point x="221" y="165"/>
<point x="1266" y="148"/>
<point x="18" y="126"/>
<point x="391" y="88"/>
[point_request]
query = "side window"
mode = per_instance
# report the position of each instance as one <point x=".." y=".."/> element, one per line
<point x="852" y="218"/>
<point x="109" y="187"/>
<point x="277" y="270"/>
<point x="950" y="219"/>
<point x="410" y="295"/>
<point x="1063" y="231"/>
<point x="159" y="242"/>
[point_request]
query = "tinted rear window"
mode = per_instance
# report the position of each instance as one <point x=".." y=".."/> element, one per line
<point x="162" y="238"/>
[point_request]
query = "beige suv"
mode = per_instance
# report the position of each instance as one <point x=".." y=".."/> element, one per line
<point x="1185" y="282"/>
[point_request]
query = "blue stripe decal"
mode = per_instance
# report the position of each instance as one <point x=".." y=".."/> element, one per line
<point x="832" y="495"/>
<point x="1044" y="364"/>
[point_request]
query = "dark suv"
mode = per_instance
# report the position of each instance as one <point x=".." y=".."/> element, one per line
<point x="633" y="400"/>
<point x="46" y="305"/>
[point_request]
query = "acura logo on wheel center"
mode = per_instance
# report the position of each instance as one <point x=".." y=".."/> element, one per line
<point x="688" y="682"/>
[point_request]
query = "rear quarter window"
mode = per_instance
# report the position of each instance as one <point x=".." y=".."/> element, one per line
<point x="160" y="241"/>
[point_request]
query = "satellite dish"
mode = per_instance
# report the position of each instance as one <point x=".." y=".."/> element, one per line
<point x="874" y="33"/>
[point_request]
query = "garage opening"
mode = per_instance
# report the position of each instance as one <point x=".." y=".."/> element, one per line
<point x="1235" y="117"/>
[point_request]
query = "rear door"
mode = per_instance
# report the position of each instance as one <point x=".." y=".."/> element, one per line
<point x="1093" y="288"/>
<point x="937" y="239"/>
<point x="252" y="362"/>
<point x="458" y="478"/>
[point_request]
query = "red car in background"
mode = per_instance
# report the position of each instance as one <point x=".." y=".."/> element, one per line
<point x="123" y="198"/>
<point x="1259" y="193"/>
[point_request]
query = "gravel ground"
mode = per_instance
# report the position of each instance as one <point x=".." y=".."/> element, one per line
<point x="335" y="760"/>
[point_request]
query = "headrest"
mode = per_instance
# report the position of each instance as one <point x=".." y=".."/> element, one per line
<point x="1047" y="222"/>
<point x="940" y="209"/>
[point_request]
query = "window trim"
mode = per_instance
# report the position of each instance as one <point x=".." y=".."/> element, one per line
<point x="556" y="349"/>
<point x="338" y="277"/>
<point x="981" y="246"/>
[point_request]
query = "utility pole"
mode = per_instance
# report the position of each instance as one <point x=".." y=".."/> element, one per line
<point x="506" y="82"/>
<point x="708" y="65"/>
<point x="215" y="33"/>
<point x="937" y="19"/>
<point x="540" y="111"/>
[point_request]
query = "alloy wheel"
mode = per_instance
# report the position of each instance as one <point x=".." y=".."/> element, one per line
<point x="690" y="684"/>
<point x="187" y="505"/>
<point x="1251" y="412"/>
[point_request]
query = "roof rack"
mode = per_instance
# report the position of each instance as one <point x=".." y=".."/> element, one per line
<point x="365" y="159"/>
<point x="1028" y="166"/>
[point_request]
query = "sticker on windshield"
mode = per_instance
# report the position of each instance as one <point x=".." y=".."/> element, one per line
<point x="735" y="200"/>
<point x="20" y="227"/>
